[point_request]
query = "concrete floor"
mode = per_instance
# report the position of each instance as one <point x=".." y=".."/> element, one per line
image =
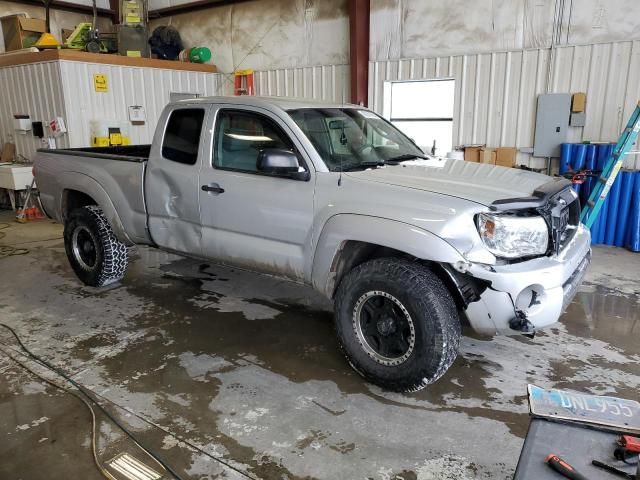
<point x="227" y="374"/>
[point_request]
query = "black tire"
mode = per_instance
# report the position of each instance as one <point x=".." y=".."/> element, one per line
<point x="379" y="345"/>
<point x="97" y="257"/>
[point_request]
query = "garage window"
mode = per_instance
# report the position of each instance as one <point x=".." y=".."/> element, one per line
<point x="182" y="136"/>
<point x="423" y="110"/>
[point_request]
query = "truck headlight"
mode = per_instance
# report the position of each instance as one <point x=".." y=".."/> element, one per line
<point x="509" y="236"/>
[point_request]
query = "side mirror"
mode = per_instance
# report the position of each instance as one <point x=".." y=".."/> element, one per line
<point x="280" y="162"/>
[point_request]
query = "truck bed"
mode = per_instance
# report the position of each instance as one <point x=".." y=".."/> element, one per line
<point x="112" y="176"/>
<point x="129" y="153"/>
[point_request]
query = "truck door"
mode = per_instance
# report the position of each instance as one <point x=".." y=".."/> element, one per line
<point x="251" y="218"/>
<point x="171" y="182"/>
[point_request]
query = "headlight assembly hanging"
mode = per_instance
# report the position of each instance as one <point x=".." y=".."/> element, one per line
<point x="510" y="236"/>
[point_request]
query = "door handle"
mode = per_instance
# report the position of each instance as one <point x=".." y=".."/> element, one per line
<point x="213" y="188"/>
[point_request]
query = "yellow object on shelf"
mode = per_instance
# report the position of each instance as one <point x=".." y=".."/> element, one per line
<point x="47" y="40"/>
<point x="109" y="133"/>
<point x="132" y="13"/>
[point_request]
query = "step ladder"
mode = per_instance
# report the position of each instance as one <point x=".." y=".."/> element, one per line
<point x="611" y="169"/>
<point x="30" y="213"/>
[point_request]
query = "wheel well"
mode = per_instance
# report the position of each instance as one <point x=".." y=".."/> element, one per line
<point x="463" y="288"/>
<point x="73" y="199"/>
<point x="353" y="253"/>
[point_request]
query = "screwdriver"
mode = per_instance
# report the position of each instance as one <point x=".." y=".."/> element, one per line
<point x="563" y="468"/>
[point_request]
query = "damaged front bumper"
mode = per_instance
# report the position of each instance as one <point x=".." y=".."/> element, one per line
<point x="530" y="295"/>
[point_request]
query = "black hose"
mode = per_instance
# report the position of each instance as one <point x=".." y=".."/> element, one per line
<point x="84" y="392"/>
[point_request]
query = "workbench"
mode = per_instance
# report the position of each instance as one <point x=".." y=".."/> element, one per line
<point x="579" y="428"/>
<point x="574" y="443"/>
<point x="14" y="178"/>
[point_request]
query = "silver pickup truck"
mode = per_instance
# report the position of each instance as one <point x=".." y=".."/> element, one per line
<point x="407" y="246"/>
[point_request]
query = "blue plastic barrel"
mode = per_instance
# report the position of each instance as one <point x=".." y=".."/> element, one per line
<point x="577" y="187"/>
<point x="590" y="160"/>
<point x="566" y="153"/>
<point x="602" y="217"/>
<point x="624" y="206"/>
<point x="604" y="150"/>
<point x="590" y="164"/>
<point x="633" y="241"/>
<point x="612" y="216"/>
<point x="579" y="156"/>
<point x="595" y="230"/>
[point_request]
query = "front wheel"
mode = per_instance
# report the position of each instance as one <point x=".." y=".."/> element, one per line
<point x="96" y="255"/>
<point x="397" y="324"/>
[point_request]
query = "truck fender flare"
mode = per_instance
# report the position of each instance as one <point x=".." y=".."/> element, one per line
<point x="384" y="232"/>
<point x="87" y="185"/>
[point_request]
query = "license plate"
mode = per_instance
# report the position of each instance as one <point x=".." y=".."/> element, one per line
<point x="609" y="412"/>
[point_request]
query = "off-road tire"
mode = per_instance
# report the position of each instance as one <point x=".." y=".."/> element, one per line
<point x="111" y="255"/>
<point x="432" y="311"/>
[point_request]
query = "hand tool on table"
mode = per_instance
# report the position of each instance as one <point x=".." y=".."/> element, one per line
<point x="628" y="448"/>
<point x="613" y="470"/>
<point x="563" y="467"/>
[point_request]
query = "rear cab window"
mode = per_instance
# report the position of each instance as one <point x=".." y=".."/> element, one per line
<point x="182" y="135"/>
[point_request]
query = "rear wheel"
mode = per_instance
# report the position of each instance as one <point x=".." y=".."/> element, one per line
<point x="397" y="324"/>
<point x="97" y="257"/>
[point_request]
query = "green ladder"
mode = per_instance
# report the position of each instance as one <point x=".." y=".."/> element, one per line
<point x="611" y="169"/>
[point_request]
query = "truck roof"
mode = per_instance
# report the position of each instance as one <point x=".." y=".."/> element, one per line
<point x="284" y="103"/>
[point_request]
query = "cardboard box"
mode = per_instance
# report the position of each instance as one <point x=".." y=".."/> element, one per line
<point x="578" y="102"/>
<point x="488" y="155"/>
<point x="472" y="154"/>
<point x="21" y="32"/>
<point x="8" y="153"/>
<point x="66" y="33"/>
<point x="506" y="156"/>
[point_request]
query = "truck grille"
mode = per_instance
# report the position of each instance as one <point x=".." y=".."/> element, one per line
<point x="557" y="203"/>
<point x="562" y="214"/>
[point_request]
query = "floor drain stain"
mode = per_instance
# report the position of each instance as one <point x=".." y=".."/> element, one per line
<point x="132" y="468"/>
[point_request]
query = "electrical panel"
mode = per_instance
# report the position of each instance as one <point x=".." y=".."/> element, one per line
<point x="552" y="122"/>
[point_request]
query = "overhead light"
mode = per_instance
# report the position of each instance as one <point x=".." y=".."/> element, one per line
<point x="132" y="468"/>
<point x="249" y="138"/>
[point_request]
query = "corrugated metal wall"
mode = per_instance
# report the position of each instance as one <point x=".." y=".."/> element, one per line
<point x="33" y="90"/>
<point x="324" y="82"/>
<point x="496" y="93"/>
<point x="128" y="86"/>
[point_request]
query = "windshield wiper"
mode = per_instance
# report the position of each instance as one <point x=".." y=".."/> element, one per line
<point x="391" y="161"/>
<point x="404" y="157"/>
<point x="362" y="165"/>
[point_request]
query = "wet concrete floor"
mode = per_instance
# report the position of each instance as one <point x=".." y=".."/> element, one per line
<point x="228" y="374"/>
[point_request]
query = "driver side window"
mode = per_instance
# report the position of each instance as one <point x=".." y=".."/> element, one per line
<point x="241" y="136"/>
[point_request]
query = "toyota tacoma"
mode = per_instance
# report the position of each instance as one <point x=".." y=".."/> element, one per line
<point x="408" y="247"/>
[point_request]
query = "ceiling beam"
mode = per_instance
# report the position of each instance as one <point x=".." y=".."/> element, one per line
<point x="69" y="7"/>
<point x="191" y="7"/>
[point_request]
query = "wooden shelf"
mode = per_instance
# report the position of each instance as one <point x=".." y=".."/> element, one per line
<point x="78" y="56"/>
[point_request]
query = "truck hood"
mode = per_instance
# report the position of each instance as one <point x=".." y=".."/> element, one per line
<point x="477" y="182"/>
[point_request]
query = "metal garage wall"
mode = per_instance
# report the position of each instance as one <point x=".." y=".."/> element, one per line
<point x="148" y="87"/>
<point x="325" y="82"/>
<point x="496" y="93"/>
<point x="34" y="90"/>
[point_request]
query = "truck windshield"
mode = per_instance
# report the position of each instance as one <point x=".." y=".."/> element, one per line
<point x="351" y="139"/>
